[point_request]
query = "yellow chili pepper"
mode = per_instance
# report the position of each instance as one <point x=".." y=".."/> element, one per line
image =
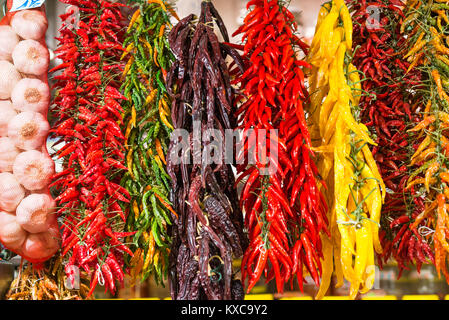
<point x="136" y="209"/>
<point x="135" y="16"/>
<point x="159" y="150"/>
<point x="127" y="50"/>
<point x="127" y="67"/>
<point x="150" y="253"/>
<point x="161" y="31"/>
<point x="151" y="96"/>
<point x="128" y="131"/>
<point x="328" y="267"/>
<point x="433" y="168"/>
<point x="129" y="161"/>
<point x="159" y="2"/>
<point x="437" y="79"/>
<point x="347" y="22"/>
<point x="420" y="43"/>
<point x="165" y="121"/>
<point x="155" y="58"/>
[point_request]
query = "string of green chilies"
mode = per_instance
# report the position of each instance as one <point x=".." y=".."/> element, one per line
<point x="147" y="130"/>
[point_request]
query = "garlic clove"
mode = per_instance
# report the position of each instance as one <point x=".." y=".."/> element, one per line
<point x="33" y="169"/>
<point x="36" y="212"/>
<point x="28" y="130"/>
<point x="11" y="192"/>
<point x="10" y="76"/>
<point x="30" y="24"/>
<point x="31" y="95"/>
<point x="8" y="154"/>
<point x="31" y="57"/>
<point x="7" y="112"/>
<point x="11" y="233"/>
<point x="8" y="41"/>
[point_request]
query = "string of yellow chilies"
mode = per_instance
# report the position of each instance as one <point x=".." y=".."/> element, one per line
<point x="355" y="190"/>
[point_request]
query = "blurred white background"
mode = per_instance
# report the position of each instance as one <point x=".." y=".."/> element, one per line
<point x="233" y="11"/>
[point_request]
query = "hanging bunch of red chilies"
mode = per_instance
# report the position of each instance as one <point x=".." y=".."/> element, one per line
<point x="87" y="106"/>
<point x="285" y="211"/>
<point x="388" y="113"/>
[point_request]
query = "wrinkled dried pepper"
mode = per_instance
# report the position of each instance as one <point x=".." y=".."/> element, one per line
<point x="209" y="230"/>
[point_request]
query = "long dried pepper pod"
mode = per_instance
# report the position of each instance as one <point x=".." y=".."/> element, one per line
<point x="208" y="233"/>
<point x="91" y="145"/>
<point x="285" y="212"/>
<point x="388" y="109"/>
<point x="147" y="126"/>
<point x="425" y="27"/>
<point x="355" y="189"/>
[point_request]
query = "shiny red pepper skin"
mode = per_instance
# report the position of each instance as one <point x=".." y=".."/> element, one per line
<point x="274" y="91"/>
<point x="88" y="111"/>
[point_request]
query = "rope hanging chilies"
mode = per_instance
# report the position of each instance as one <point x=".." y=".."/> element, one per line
<point x="87" y="106"/>
<point x="355" y="189"/>
<point x="209" y="230"/>
<point x="388" y="110"/>
<point x="425" y="27"/>
<point x="284" y="209"/>
<point x="147" y="126"/>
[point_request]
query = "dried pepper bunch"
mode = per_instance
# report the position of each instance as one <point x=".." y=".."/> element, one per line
<point x="147" y="126"/>
<point x="425" y="27"/>
<point x="208" y="233"/>
<point x="355" y="189"/>
<point x="46" y="283"/>
<point x="388" y="110"/>
<point x="284" y="210"/>
<point x="89" y="112"/>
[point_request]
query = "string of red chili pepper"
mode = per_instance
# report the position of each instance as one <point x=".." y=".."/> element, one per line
<point x="285" y="211"/>
<point x="388" y="113"/>
<point x="87" y="106"/>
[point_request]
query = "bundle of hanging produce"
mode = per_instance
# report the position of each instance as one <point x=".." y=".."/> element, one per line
<point x="284" y="209"/>
<point x="425" y="26"/>
<point x="147" y="130"/>
<point x="208" y="233"/>
<point x="28" y="224"/>
<point x="387" y="109"/>
<point x="47" y="283"/>
<point x="355" y="189"/>
<point x="91" y="145"/>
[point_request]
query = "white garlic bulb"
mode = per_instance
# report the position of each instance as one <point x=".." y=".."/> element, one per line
<point x="28" y="130"/>
<point x="31" y="57"/>
<point x="33" y="169"/>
